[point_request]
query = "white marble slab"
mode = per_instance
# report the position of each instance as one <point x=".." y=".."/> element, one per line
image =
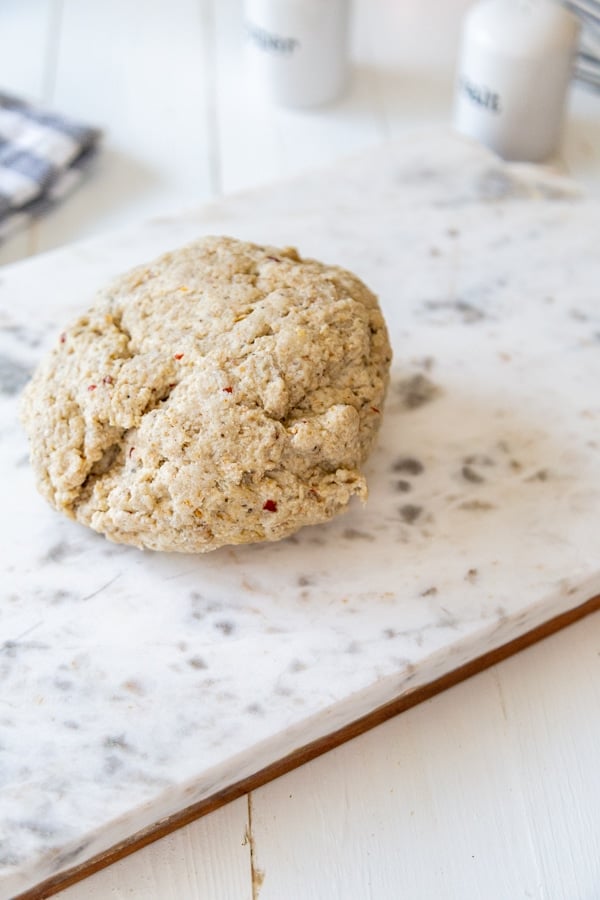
<point x="134" y="684"/>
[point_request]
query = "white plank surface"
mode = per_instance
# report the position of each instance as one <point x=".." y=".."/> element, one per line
<point x="489" y="790"/>
<point x="140" y="73"/>
<point x="208" y="859"/>
<point x="28" y="41"/>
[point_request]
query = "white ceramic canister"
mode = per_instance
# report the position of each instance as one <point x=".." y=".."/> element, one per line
<point x="297" y="50"/>
<point x="514" y="69"/>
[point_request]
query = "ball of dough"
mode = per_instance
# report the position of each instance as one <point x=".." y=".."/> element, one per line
<point x="225" y="393"/>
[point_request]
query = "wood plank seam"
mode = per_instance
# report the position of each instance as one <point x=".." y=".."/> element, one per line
<point x="209" y="38"/>
<point x="257" y="875"/>
<point x="52" y="51"/>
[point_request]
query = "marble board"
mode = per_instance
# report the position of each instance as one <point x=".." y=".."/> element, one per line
<point x="135" y="685"/>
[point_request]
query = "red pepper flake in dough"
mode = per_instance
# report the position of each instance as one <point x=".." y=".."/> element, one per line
<point x="131" y="449"/>
<point x="228" y="390"/>
<point x="375" y="410"/>
<point x="107" y="379"/>
<point x="92" y="387"/>
<point x="274" y="258"/>
<point x="178" y="356"/>
<point x="63" y="337"/>
<point x="270" y="506"/>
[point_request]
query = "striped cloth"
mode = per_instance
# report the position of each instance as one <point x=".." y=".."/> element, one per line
<point x="42" y="158"/>
<point x="587" y="62"/>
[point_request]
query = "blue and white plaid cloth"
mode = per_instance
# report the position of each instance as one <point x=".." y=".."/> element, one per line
<point x="42" y="158"/>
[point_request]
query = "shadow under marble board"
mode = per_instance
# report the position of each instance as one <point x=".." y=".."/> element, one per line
<point x="140" y="689"/>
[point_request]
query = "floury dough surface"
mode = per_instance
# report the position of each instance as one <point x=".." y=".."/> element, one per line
<point x="224" y="394"/>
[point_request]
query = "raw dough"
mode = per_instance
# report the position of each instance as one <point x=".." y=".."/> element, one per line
<point x="223" y="394"/>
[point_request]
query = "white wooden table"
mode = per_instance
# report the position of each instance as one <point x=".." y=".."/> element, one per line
<point x="490" y="790"/>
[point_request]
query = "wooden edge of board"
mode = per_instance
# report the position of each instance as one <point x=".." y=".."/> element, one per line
<point x="304" y="754"/>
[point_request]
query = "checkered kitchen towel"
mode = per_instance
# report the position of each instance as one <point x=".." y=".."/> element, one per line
<point x="42" y="158"/>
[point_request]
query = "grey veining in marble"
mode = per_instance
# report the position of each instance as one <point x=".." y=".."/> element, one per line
<point x="134" y="684"/>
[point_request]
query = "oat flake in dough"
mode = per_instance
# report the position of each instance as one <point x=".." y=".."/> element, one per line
<point x="223" y="394"/>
